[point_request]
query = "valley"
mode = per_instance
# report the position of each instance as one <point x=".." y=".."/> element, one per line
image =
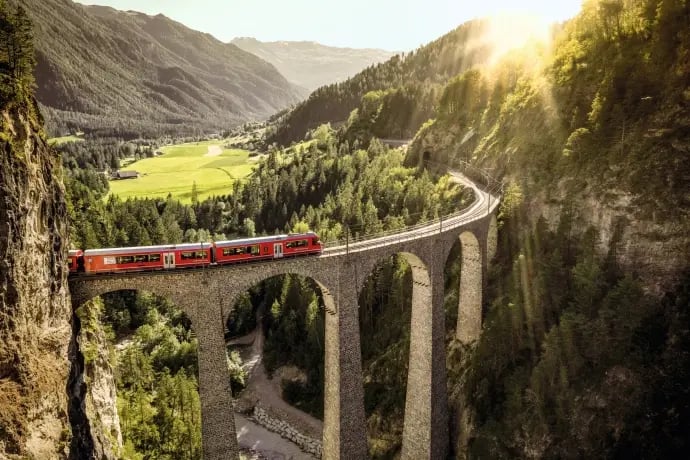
<point x="549" y="319"/>
<point x="187" y="172"/>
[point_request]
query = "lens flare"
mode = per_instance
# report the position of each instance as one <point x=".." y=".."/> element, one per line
<point x="515" y="31"/>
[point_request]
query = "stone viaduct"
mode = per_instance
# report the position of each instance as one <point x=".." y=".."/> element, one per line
<point x="208" y="295"/>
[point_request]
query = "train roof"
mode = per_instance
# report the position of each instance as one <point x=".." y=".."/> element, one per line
<point x="260" y="239"/>
<point x="147" y="249"/>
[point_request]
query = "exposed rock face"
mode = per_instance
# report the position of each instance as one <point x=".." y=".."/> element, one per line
<point x="34" y="307"/>
<point x="101" y="392"/>
<point x="654" y="248"/>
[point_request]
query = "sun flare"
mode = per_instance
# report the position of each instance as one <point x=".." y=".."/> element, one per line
<point x="514" y="31"/>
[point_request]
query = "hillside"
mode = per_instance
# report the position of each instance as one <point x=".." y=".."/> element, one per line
<point x="35" y="310"/>
<point x="103" y="69"/>
<point x="584" y="351"/>
<point x="418" y="76"/>
<point x="311" y="65"/>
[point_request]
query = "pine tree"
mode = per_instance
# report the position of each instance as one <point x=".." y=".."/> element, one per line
<point x="17" y="58"/>
<point x="195" y="194"/>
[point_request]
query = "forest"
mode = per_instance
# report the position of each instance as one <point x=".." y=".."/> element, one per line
<point x="578" y="356"/>
<point x="407" y="85"/>
<point x="17" y="58"/>
<point x="374" y="191"/>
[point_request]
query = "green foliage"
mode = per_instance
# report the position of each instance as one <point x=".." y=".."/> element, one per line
<point x="242" y="318"/>
<point x="158" y="399"/>
<point x="238" y="376"/>
<point x="606" y="106"/>
<point x="142" y="76"/>
<point x="569" y="353"/>
<point x="17" y="58"/>
<point x="405" y="88"/>
<point x="384" y="319"/>
<point x="295" y="326"/>
<point x="395" y="113"/>
<point x="464" y="97"/>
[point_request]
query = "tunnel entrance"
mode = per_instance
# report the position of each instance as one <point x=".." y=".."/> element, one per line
<point x="426" y="157"/>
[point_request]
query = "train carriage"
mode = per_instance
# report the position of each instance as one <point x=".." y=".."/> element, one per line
<point x="147" y="258"/>
<point x="267" y="247"/>
<point x="74" y="258"/>
<point x="142" y="258"/>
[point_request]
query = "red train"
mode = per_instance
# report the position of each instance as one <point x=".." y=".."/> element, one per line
<point x="163" y="257"/>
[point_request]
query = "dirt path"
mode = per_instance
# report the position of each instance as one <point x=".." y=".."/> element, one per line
<point x="266" y="392"/>
<point x="214" y="151"/>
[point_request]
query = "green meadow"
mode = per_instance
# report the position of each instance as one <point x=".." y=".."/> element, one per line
<point x="207" y="164"/>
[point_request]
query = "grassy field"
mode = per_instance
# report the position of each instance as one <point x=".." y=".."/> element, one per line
<point x="206" y="163"/>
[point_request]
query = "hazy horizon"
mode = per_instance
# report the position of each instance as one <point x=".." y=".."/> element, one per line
<point x="385" y="24"/>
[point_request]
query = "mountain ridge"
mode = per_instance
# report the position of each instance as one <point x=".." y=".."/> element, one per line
<point x="310" y="64"/>
<point x="101" y="69"/>
<point x="409" y="81"/>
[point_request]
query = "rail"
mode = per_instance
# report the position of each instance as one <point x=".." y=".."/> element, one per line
<point x="484" y="203"/>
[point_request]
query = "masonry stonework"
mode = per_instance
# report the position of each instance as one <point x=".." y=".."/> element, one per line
<point x="208" y="296"/>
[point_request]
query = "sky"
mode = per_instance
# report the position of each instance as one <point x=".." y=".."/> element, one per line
<point x="394" y="25"/>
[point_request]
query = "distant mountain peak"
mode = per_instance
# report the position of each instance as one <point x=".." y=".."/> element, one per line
<point x="310" y="64"/>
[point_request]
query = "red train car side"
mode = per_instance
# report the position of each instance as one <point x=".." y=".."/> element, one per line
<point x="74" y="258"/>
<point x="267" y="247"/>
<point x="165" y="257"/>
<point x="147" y="258"/>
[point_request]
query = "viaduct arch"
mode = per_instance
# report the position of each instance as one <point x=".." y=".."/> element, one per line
<point x="208" y="295"/>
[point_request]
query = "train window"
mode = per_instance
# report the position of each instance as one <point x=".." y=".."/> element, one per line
<point x="297" y="244"/>
<point x="233" y="251"/>
<point x="200" y="254"/>
<point x="253" y="250"/>
<point x="154" y="257"/>
<point x="141" y="258"/>
<point x="124" y="259"/>
<point x="187" y="255"/>
<point x="315" y="240"/>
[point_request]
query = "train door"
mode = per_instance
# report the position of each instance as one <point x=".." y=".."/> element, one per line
<point x="277" y="250"/>
<point x="168" y="260"/>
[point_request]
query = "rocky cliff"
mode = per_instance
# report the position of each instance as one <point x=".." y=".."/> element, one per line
<point x="95" y="392"/>
<point x="650" y="244"/>
<point x="34" y="304"/>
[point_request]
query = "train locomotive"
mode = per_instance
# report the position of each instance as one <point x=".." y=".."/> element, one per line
<point x="188" y="255"/>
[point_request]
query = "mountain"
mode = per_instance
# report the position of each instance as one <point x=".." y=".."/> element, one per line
<point x="420" y="76"/>
<point x="310" y="64"/>
<point x="586" y="318"/>
<point x="102" y="69"/>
